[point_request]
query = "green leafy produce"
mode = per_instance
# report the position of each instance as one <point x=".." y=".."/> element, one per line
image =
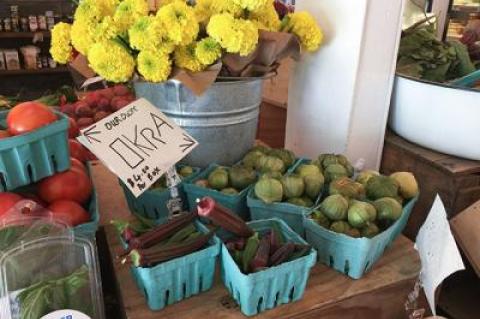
<point x="408" y="186"/>
<point x="241" y="177"/>
<point x="381" y="186"/>
<point x="347" y="187"/>
<point x="365" y="176"/>
<point x="251" y="158"/>
<point x="370" y="231"/>
<point x="361" y="213"/>
<point x="288" y="157"/>
<point x="320" y="218"/>
<point x="261" y="148"/>
<point x="388" y="209"/>
<point x="340" y="227"/>
<point x="269" y="190"/>
<point x="47" y="296"/>
<point x="304" y="170"/>
<point x="270" y="164"/>
<point x="313" y="185"/>
<point x="218" y="179"/>
<point x="422" y="55"/>
<point x="229" y="191"/>
<point x="293" y="186"/>
<point x="335" y="171"/>
<point x="335" y="207"/>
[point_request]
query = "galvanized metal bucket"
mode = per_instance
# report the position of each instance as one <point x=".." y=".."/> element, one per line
<point x="223" y="120"/>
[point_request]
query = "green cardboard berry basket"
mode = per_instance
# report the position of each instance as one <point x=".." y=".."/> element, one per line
<point x="353" y="256"/>
<point x="236" y="203"/>
<point x="152" y="204"/>
<point x="267" y="289"/>
<point x="291" y="214"/>
<point x="180" y="278"/>
<point x="27" y="158"/>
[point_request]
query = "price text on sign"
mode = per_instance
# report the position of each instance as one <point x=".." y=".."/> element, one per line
<point x="138" y="143"/>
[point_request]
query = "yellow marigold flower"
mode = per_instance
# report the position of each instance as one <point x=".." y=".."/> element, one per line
<point x="304" y="26"/>
<point x="185" y="58"/>
<point x="106" y="30"/>
<point x="203" y="10"/>
<point x="226" y="6"/>
<point x="129" y="11"/>
<point x="208" y="51"/>
<point x="266" y="18"/>
<point x="234" y="35"/>
<point x="167" y="2"/>
<point x="179" y="20"/>
<point x="95" y="9"/>
<point x="111" y="61"/>
<point x="83" y="35"/>
<point x="251" y="5"/>
<point x="154" y="66"/>
<point x="61" y="49"/>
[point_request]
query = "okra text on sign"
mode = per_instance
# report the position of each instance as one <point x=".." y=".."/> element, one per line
<point x="138" y="143"/>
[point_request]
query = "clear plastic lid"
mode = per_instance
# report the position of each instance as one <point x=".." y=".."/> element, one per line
<point x="45" y="269"/>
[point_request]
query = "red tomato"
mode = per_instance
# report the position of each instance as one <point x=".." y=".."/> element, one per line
<point x="29" y="116"/>
<point x="77" y="150"/>
<point x="7" y="201"/>
<point x="4" y="134"/>
<point x="70" y="212"/>
<point x="76" y="164"/>
<point x="72" y="185"/>
<point x="73" y="130"/>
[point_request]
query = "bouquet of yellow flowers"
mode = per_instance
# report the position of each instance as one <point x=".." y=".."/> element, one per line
<point x="122" y="38"/>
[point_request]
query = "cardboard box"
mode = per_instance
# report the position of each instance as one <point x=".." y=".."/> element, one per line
<point x="466" y="230"/>
<point x="11" y="59"/>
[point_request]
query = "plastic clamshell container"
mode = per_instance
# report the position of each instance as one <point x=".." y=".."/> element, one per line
<point x="66" y="259"/>
<point x="272" y="287"/>
<point x="180" y="278"/>
<point x="236" y="203"/>
<point x="152" y="204"/>
<point x="27" y="158"/>
<point x="293" y="215"/>
<point x="353" y="256"/>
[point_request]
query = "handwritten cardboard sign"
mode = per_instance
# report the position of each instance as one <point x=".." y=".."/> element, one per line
<point x="138" y="143"/>
<point x="438" y="251"/>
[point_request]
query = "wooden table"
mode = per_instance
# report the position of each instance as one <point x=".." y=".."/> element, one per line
<point x="380" y="294"/>
<point x="456" y="180"/>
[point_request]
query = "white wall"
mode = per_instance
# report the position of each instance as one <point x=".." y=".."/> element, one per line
<point x="339" y="97"/>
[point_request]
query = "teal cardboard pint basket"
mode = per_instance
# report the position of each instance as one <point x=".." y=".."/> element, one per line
<point x="353" y="256"/>
<point x="180" y="278"/>
<point x="152" y="204"/>
<point x="27" y="158"/>
<point x="271" y="287"/>
<point x="236" y="203"/>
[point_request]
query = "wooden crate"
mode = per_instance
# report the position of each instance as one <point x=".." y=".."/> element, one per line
<point x="456" y="180"/>
<point x="380" y="294"/>
<point x="271" y="124"/>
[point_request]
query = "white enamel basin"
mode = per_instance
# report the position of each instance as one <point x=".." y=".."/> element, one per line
<point x="437" y="116"/>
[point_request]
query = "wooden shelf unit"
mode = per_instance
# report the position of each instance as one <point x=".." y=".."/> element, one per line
<point x="23" y="35"/>
<point x="61" y="69"/>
